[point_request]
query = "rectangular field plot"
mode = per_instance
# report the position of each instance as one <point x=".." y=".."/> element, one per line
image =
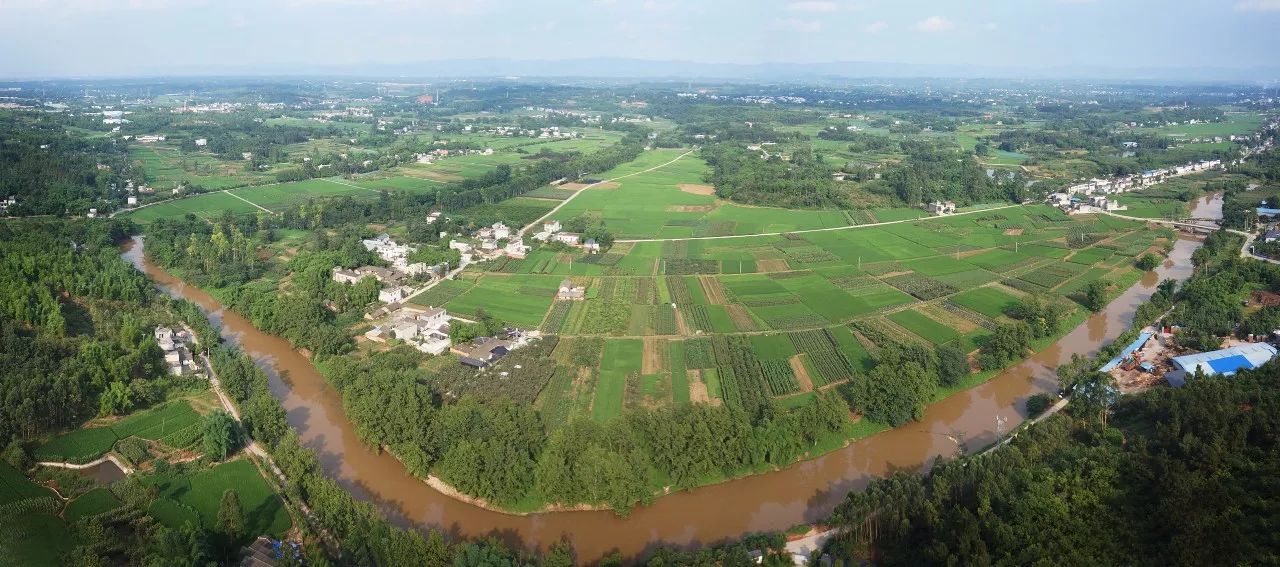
<point x="520" y="300"/>
<point x="986" y="300"/>
<point x="922" y="325"/>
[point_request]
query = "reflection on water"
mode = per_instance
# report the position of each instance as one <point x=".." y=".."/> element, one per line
<point x="805" y="492"/>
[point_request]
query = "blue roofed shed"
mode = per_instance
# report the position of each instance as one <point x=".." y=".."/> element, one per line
<point x="1128" y="350"/>
<point x="1226" y="362"/>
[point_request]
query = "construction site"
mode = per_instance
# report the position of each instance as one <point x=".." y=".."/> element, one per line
<point x="1155" y="357"/>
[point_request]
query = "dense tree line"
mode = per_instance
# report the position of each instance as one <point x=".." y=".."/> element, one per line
<point x="741" y="175"/>
<point x="51" y="173"/>
<point x="500" y="451"/>
<point x="1178" y="477"/>
<point x="75" y="338"/>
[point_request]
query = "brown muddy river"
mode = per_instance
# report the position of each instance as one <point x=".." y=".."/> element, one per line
<point x="804" y="492"/>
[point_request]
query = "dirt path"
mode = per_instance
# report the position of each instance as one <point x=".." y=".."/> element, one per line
<point x="553" y="211"/>
<point x="741" y="317"/>
<point x="697" y="388"/>
<point x="655" y="356"/>
<point x="713" y="289"/>
<point x="802" y="373"/>
<point x="808" y="230"/>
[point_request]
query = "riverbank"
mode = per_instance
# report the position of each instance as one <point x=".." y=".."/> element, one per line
<point x="804" y="492"/>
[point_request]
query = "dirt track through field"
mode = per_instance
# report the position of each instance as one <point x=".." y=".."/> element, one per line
<point x="741" y="318"/>
<point x="713" y="289"/>
<point x="553" y="211"/>
<point x="697" y="388"/>
<point x="655" y="356"/>
<point x="802" y="374"/>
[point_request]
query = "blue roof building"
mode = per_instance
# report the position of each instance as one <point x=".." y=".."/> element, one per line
<point x="1266" y="212"/>
<point x="1226" y="362"/>
<point x="1128" y="350"/>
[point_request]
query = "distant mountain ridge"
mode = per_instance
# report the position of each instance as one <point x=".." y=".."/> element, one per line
<point x="626" y="68"/>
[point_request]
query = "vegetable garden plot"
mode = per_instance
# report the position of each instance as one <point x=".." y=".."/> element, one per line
<point x="920" y="286"/>
<point x="1052" y="275"/>
<point x="779" y="377"/>
<point x="556" y="317"/>
<point x="922" y="325"/>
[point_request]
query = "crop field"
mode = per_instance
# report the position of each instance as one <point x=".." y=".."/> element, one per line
<point x="274" y="197"/>
<point x="202" y="493"/>
<point x="673" y="202"/>
<point x="522" y="300"/>
<point x="988" y="301"/>
<point x="14" y="486"/>
<point x="744" y="316"/>
<point x="175" y="424"/>
<point x="166" y="168"/>
<point x="92" y="503"/>
<point x="621" y="360"/>
<point x="922" y="325"/>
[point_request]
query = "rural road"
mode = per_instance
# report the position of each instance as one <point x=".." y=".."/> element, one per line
<point x="828" y="229"/>
<point x="579" y="191"/>
<point x="1244" y="248"/>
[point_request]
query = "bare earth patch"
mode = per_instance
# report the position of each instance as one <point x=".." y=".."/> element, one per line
<point x="607" y="185"/>
<point x="698" y="389"/>
<point x="741" y="318"/>
<point x="772" y="265"/>
<point x="1013" y="232"/>
<point x="697" y="189"/>
<point x="690" y="208"/>
<point x="802" y="374"/>
<point x="681" y="326"/>
<point x="713" y="289"/>
<point x="655" y="356"/>
<point x="573" y="186"/>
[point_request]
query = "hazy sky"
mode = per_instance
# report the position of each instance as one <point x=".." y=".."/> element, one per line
<point x="148" y="37"/>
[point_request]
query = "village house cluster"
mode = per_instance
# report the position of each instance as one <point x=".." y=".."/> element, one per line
<point x="1091" y="195"/>
<point x="393" y="278"/>
<point x="426" y="329"/>
<point x="177" y="350"/>
<point x="552" y="231"/>
<point x="491" y="242"/>
<point x="483" y="351"/>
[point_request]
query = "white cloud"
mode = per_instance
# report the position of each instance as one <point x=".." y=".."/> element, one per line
<point x="935" y="24"/>
<point x="813" y="6"/>
<point x="876" y="26"/>
<point x="1258" y="6"/>
<point x="805" y="26"/>
<point x="991" y="26"/>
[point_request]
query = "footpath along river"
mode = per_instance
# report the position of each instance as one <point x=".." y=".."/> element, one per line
<point x="804" y="492"/>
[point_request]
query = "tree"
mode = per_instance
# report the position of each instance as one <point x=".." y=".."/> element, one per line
<point x="1006" y="344"/>
<point x="1148" y="262"/>
<point x="1095" y="294"/>
<point x="230" y="515"/>
<point x="893" y="394"/>
<point x="220" y="434"/>
<point x="953" y="364"/>
<point x="115" y="399"/>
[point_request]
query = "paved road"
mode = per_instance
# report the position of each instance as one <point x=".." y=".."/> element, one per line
<point x="578" y="192"/>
